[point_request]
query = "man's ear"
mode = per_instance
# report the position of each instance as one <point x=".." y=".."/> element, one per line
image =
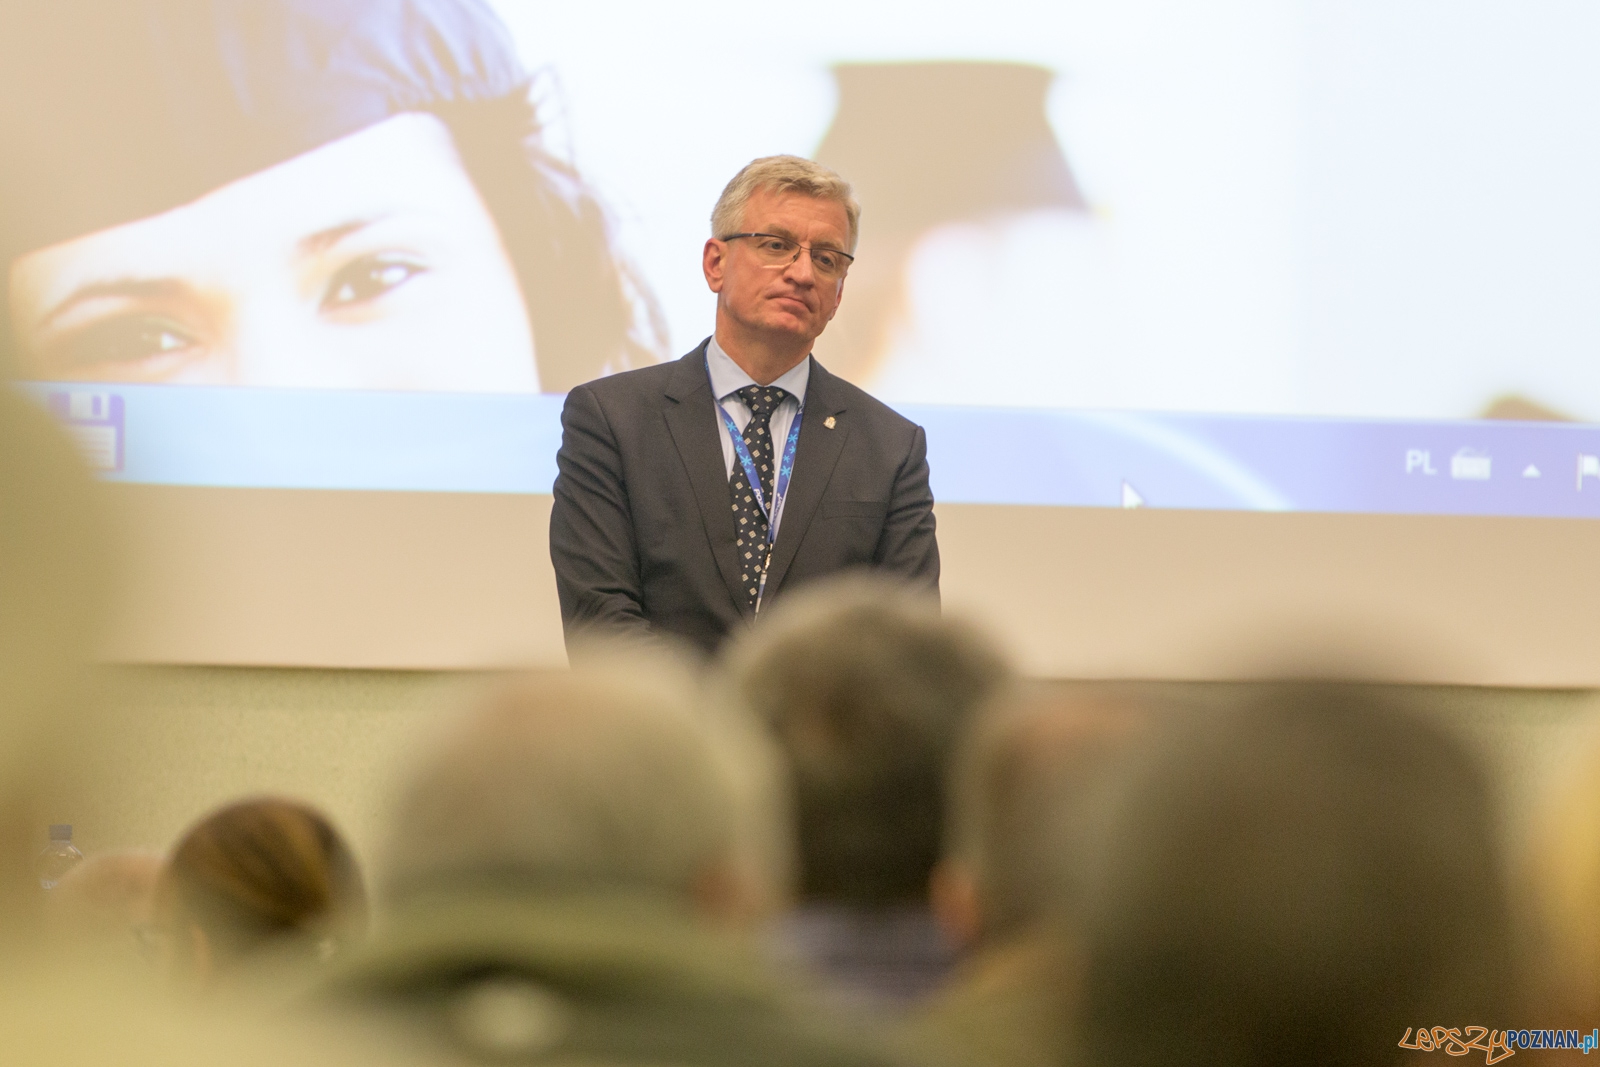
<point x="712" y="259"/>
<point x="953" y="896"/>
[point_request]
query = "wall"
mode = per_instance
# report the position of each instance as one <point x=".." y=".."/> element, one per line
<point x="174" y="742"/>
<point x="307" y="578"/>
<point x="170" y="743"/>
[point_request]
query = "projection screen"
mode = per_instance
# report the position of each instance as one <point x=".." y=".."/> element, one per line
<point x="1225" y="318"/>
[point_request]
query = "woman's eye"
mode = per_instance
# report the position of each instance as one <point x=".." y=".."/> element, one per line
<point x="126" y="339"/>
<point x="367" y="279"/>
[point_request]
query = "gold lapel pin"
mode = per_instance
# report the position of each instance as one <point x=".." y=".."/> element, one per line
<point x="830" y="422"/>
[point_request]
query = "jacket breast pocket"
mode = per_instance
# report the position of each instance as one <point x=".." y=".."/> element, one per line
<point x="854" y="509"/>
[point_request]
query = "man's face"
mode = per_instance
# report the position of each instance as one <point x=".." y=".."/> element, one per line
<point x="789" y="299"/>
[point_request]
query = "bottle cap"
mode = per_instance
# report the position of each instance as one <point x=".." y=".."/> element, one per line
<point x="60" y="831"/>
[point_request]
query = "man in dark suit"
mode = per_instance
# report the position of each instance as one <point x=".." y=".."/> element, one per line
<point x="692" y="493"/>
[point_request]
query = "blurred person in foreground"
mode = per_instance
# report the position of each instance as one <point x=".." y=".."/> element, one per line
<point x="1025" y="791"/>
<point x="867" y="687"/>
<point x="56" y="1005"/>
<point x="1560" y="869"/>
<point x="55" y="579"/>
<point x="1301" y="879"/>
<point x="264" y="881"/>
<point x="694" y="494"/>
<point x="571" y="877"/>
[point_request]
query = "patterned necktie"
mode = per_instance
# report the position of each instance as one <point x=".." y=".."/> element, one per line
<point x="749" y="522"/>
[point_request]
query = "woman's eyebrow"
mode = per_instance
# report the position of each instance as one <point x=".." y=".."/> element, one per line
<point x="125" y="288"/>
<point x="323" y="240"/>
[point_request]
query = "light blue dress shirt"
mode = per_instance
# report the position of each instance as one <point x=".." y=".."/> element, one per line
<point x="727" y="378"/>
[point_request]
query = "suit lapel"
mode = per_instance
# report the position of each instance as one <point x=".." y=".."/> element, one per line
<point x="691" y="419"/>
<point x="816" y="454"/>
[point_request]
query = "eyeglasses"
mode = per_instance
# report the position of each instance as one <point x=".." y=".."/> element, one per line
<point x="775" y="251"/>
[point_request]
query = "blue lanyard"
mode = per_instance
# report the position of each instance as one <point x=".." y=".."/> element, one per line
<point x="780" y="485"/>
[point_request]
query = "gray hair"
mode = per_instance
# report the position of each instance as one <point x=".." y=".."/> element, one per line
<point x="615" y="774"/>
<point x="783" y="174"/>
<point x="867" y="687"/>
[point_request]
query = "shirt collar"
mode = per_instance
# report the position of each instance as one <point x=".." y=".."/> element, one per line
<point x="727" y="377"/>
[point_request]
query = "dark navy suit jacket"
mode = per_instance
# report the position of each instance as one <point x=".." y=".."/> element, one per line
<point x="641" y="534"/>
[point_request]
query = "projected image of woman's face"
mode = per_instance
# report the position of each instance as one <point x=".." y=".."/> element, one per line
<point x="368" y="263"/>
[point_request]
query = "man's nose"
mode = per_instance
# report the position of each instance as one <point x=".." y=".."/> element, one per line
<point x="800" y="269"/>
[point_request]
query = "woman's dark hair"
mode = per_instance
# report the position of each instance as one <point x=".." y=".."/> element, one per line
<point x="590" y="312"/>
<point x="264" y="873"/>
<point x="169" y="99"/>
<point x="866" y="688"/>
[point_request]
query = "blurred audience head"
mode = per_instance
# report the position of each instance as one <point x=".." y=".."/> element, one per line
<point x="55" y="579"/>
<point x="617" y="775"/>
<point x="1298" y="880"/>
<point x="1025" y="790"/>
<point x="866" y="687"/>
<point x="262" y="878"/>
<point x="1561" y="864"/>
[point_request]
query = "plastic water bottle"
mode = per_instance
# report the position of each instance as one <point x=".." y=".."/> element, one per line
<point x="59" y="857"/>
